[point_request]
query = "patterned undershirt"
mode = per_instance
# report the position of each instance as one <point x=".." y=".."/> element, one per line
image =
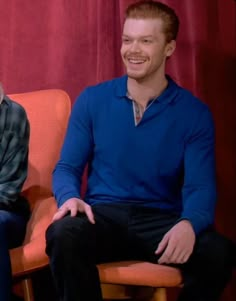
<point x="139" y="110"/>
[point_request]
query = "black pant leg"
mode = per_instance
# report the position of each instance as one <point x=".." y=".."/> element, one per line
<point x="70" y="242"/>
<point x="147" y="226"/>
<point x="75" y="246"/>
<point x="209" y="268"/>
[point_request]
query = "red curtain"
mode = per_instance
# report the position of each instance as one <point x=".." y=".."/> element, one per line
<point x="72" y="44"/>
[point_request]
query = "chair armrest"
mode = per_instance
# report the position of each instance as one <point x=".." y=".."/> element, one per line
<point x="31" y="255"/>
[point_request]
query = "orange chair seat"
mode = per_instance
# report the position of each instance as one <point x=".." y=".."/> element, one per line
<point x="140" y="274"/>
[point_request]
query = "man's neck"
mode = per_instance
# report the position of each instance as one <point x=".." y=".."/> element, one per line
<point x="144" y="91"/>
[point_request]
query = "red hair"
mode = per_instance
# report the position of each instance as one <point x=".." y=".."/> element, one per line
<point x="153" y="10"/>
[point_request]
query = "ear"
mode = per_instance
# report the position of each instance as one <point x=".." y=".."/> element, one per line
<point x="170" y="48"/>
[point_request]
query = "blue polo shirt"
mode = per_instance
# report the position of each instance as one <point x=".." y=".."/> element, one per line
<point x="165" y="161"/>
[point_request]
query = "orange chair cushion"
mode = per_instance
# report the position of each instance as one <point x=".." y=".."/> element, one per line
<point x="139" y="273"/>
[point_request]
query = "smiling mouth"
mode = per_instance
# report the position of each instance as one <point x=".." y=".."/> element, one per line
<point x="136" y="61"/>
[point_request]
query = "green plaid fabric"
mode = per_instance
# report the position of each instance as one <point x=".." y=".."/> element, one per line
<point x="14" y="140"/>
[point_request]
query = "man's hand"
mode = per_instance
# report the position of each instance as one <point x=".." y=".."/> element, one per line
<point x="177" y="244"/>
<point x="73" y="206"/>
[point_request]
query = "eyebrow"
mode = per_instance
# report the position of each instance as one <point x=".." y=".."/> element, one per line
<point x="149" y="36"/>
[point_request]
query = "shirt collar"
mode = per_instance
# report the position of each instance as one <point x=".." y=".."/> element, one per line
<point x="168" y="95"/>
<point x="121" y="86"/>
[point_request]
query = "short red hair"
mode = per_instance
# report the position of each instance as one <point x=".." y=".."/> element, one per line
<point x="152" y="10"/>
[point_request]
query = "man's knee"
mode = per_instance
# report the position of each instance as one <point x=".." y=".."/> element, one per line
<point x="216" y="252"/>
<point x="68" y="232"/>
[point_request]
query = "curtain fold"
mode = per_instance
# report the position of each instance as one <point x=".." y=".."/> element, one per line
<point x="76" y="43"/>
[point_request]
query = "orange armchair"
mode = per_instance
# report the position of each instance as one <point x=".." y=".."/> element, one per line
<point x="48" y="112"/>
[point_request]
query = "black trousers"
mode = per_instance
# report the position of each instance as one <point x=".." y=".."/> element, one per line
<point x="125" y="232"/>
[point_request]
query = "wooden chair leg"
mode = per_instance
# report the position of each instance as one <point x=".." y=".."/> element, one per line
<point x="159" y="294"/>
<point x="28" y="289"/>
<point x="116" y="292"/>
<point x="124" y="292"/>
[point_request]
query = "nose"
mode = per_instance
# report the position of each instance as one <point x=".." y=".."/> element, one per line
<point x="135" y="47"/>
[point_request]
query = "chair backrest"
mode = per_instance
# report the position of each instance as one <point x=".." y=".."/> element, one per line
<point x="48" y="112"/>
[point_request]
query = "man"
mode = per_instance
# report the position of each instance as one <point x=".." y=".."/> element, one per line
<point x="149" y="146"/>
<point x="14" y="209"/>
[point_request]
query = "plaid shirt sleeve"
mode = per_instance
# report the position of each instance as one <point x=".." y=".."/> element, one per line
<point x="14" y="141"/>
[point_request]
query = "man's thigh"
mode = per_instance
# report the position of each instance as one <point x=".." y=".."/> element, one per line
<point x="210" y="266"/>
<point x="103" y="241"/>
<point x="211" y="249"/>
<point x="111" y="232"/>
<point x="147" y="226"/>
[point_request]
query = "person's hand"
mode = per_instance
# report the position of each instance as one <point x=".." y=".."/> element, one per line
<point x="177" y="244"/>
<point x="73" y="206"/>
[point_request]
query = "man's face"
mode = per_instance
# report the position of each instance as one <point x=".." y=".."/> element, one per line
<point x="144" y="48"/>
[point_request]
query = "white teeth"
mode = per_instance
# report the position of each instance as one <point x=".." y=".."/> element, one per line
<point x="133" y="61"/>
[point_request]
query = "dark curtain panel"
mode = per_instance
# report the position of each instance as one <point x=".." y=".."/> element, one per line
<point x="70" y="44"/>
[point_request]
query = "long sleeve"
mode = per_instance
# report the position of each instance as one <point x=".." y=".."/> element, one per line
<point x="199" y="189"/>
<point x="14" y="152"/>
<point x="77" y="148"/>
